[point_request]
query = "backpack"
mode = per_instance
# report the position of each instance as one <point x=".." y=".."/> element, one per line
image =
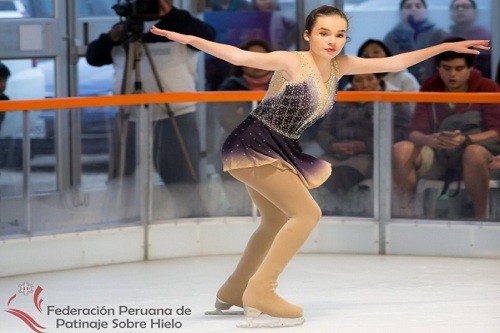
<point x="469" y="122"/>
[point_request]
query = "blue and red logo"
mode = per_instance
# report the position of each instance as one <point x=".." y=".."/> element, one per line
<point x="27" y="289"/>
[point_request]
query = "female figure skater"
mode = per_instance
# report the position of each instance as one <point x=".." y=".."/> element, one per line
<point x="263" y="151"/>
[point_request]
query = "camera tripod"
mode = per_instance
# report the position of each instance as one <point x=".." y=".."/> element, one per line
<point x="133" y="65"/>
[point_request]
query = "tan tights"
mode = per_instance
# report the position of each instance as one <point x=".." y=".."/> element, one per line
<point x="288" y="215"/>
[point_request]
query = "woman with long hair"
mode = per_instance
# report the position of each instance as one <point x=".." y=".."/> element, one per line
<point x="263" y="152"/>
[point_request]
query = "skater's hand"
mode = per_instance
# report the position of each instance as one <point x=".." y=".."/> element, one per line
<point x="174" y="36"/>
<point x="470" y="46"/>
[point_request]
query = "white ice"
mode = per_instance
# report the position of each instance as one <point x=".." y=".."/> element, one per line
<point x="339" y="294"/>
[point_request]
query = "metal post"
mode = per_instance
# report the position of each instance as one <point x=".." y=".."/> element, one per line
<point x="27" y="169"/>
<point x="383" y="168"/>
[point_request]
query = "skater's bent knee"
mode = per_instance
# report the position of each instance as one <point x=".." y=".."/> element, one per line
<point x="311" y="215"/>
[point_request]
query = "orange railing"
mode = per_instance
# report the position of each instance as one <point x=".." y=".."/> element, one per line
<point x="235" y="96"/>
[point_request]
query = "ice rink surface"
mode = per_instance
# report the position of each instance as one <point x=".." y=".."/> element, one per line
<point x="339" y="293"/>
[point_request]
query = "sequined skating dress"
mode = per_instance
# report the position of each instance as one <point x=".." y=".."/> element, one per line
<point x="270" y="134"/>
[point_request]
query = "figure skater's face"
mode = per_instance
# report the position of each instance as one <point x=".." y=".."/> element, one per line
<point x="463" y="12"/>
<point x="328" y="35"/>
<point x="373" y="50"/>
<point x="414" y="8"/>
<point x="365" y="82"/>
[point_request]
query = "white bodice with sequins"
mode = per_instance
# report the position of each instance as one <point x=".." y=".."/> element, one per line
<point x="289" y="107"/>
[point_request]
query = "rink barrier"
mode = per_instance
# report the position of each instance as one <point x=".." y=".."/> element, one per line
<point x="237" y="96"/>
<point x="216" y="236"/>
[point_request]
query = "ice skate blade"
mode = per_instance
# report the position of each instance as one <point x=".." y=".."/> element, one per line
<point x="219" y="312"/>
<point x="222" y="309"/>
<point x="256" y="319"/>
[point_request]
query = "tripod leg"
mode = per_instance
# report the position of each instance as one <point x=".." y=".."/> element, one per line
<point x="118" y="149"/>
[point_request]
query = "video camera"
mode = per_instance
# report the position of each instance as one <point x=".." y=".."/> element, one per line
<point x="145" y="10"/>
<point x="136" y="12"/>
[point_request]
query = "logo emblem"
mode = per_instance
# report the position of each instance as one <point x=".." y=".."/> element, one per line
<point x="27" y="289"/>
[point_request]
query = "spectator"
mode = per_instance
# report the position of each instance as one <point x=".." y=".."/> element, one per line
<point x="346" y="133"/>
<point x="243" y="78"/>
<point x="464" y="14"/>
<point x="403" y="80"/>
<point x="4" y="76"/>
<point x="468" y="147"/>
<point x="414" y="31"/>
<point x="177" y="72"/>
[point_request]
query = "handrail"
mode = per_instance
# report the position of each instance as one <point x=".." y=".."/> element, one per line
<point x="237" y="96"/>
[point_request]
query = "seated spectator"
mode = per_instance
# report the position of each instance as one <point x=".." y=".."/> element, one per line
<point x="463" y="15"/>
<point x="4" y="75"/>
<point x="449" y="141"/>
<point x="403" y="80"/>
<point x="414" y="31"/>
<point x="230" y="114"/>
<point x="346" y="133"/>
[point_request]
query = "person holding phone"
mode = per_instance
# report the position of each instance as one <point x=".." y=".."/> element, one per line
<point x="432" y="136"/>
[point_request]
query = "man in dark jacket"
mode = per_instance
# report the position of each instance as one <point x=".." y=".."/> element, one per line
<point x="176" y="66"/>
<point x="450" y="137"/>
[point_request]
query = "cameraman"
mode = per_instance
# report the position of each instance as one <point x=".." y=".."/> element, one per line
<point x="176" y="67"/>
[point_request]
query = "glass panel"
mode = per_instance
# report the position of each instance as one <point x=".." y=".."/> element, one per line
<point x="43" y="158"/>
<point x="344" y="137"/>
<point x="96" y="124"/>
<point x="176" y="180"/>
<point x="431" y="25"/>
<point x="27" y="72"/>
<point x="75" y="210"/>
<point x="14" y="184"/>
<point x="175" y="193"/>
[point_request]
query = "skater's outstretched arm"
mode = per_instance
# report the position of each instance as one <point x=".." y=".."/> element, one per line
<point x="283" y="61"/>
<point x="350" y="65"/>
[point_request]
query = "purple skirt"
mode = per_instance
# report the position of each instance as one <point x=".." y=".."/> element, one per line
<point x="253" y="144"/>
